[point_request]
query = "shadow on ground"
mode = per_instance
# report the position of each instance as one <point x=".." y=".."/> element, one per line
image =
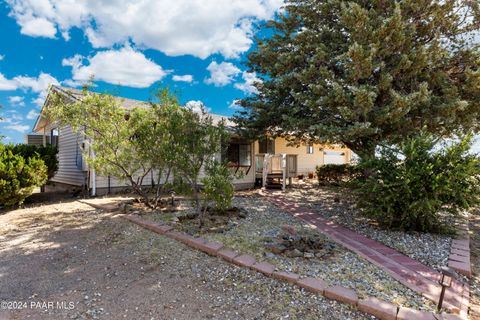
<point x="107" y="268"/>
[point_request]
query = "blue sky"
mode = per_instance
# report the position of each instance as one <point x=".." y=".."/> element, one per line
<point x="196" y="47"/>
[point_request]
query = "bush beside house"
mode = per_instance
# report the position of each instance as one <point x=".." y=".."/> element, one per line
<point x="336" y="174"/>
<point x="47" y="153"/>
<point x="19" y="176"/>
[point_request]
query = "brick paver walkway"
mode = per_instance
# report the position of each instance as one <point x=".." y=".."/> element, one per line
<point x="406" y="270"/>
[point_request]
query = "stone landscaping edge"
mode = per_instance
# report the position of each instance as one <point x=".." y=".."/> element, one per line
<point x="407" y="271"/>
<point x="459" y="259"/>
<point x="381" y="309"/>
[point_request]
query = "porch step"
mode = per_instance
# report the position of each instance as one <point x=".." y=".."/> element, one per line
<point x="273" y="186"/>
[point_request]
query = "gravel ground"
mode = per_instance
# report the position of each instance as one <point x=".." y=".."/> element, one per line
<point x="109" y="268"/>
<point x="345" y="268"/>
<point x="430" y="249"/>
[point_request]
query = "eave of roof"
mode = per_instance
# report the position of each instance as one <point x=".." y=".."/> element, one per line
<point x="128" y="104"/>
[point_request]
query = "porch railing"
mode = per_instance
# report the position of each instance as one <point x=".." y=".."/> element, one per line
<point x="282" y="166"/>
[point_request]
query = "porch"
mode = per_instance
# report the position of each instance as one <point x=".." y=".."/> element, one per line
<point x="275" y="169"/>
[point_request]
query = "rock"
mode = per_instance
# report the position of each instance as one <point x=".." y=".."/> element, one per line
<point x="276" y="248"/>
<point x="308" y="255"/>
<point x="123" y="207"/>
<point x="242" y="213"/>
<point x="170" y="208"/>
<point x="289" y="229"/>
<point x="295" y="253"/>
<point x="269" y="255"/>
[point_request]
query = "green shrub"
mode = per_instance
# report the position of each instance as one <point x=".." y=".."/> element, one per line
<point x="19" y="176"/>
<point x="47" y="153"/>
<point x="218" y="186"/>
<point x="420" y="185"/>
<point x="178" y="185"/>
<point x="336" y="174"/>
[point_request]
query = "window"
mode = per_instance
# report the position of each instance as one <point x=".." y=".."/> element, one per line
<point x="54" y="137"/>
<point x="239" y="154"/>
<point x="245" y="155"/>
<point x="309" y="149"/>
<point x="266" y="145"/>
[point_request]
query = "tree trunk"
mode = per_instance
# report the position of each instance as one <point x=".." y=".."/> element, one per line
<point x="138" y="190"/>
<point x="366" y="151"/>
<point x="198" y="209"/>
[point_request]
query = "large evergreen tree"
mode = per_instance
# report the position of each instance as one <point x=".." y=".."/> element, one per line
<point x="364" y="72"/>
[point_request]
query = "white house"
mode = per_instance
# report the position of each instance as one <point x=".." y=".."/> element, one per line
<point x="242" y="155"/>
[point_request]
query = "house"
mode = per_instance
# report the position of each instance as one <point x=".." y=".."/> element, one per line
<point x="254" y="159"/>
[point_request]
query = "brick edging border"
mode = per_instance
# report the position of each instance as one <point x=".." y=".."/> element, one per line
<point x="461" y="295"/>
<point x="381" y="309"/>
<point x="459" y="260"/>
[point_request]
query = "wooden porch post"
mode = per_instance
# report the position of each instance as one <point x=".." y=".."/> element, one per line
<point x="266" y="162"/>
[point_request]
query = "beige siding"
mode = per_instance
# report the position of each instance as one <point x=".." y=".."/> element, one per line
<point x="307" y="162"/>
<point x="68" y="149"/>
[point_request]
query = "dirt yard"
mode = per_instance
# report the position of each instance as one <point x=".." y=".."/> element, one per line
<point x="69" y="261"/>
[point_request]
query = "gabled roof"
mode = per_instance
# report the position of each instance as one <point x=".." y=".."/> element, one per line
<point x="127" y="104"/>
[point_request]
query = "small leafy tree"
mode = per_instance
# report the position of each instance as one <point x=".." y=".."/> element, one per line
<point x="218" y="186"/>
<point x="114" y="146"/>
<point x="19" y="176"/>
<point x="419" y="185"/>
<point x="198" y="140"/>
<point x="160" y="140"/>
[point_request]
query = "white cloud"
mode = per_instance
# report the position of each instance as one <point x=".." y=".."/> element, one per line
<point x="12" y="121"/>
<point x="2" y="57"/>
<point x="221" y="74"/>
<point x="235" y="105"/>
<point x="37" y="85"/>
<point x="6" y="84"/>
<point x="125" y="67"/>
<point x="175" y="27"/>
<point x="16" y="100"/>
<point x="32" y="114"/>
<point x="37" y="27"/>
<point x="250" y="78"/>
<point x="74" y="84"/>
<point x="184" y="78"/>
<point x="197" y="106"/>
<point x="17" y="117"/>
<point x="22" y="128"/>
